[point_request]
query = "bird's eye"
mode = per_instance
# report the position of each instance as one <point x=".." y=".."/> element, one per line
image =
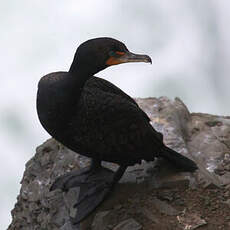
<point x="112" y="53"/>
<point x="116" y="53"/>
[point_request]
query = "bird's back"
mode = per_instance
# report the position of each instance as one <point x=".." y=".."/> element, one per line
<point x="101" y="122"/>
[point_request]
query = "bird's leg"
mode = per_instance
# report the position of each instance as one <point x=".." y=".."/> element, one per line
<point x="94" y="193"/>
<point x="118" y="174"/>
<point x="95" y="164"/>
<point x="106" y="184"/>
<point x="95" y="183"/>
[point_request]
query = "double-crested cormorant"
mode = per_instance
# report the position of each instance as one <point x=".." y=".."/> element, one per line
<point x="95" y="118"/>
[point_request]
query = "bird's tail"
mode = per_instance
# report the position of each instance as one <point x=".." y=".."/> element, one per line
<point x="179" y="161"/>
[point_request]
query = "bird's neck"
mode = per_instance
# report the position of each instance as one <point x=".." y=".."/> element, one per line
<point x="78" y="75"/>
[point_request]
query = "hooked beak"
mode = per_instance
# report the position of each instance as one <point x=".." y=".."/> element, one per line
<point x="128" y="57"/>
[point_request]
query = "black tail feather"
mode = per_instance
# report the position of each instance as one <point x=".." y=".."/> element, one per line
<point x="179" y="161"/>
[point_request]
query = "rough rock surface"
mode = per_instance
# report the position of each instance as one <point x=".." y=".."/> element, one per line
<point x="147" y="192"/>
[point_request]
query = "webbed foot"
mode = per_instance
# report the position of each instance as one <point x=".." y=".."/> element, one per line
<point x="95" y="183"/>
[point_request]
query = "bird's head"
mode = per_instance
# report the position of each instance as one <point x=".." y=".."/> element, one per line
<point x="97" y="54"/>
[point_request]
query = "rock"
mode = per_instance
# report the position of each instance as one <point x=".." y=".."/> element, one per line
<point x="210" y="185"/>
<point x="166" y="195"/>
<point x="129" y="224"/>
<point x="227" y="202"/>
<point x="225" y="178"/>
<point x="69" y="226"/>
<point x="202" y="137"/>
<point x="101" y="220"/>
<point x="191" y="221"/>
<point x="164" y="208"/>
<point x="148" y="214"/>
<point x="173" y="180"/>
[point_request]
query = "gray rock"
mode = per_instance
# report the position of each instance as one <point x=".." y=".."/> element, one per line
<point x="129" y="224"/>
<point x="227" y="202"/>
<point x="102" y="220"/>
<point x="202" y="137"/>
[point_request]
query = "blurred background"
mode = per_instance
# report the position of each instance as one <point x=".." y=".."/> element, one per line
<point x="189" y="42"/>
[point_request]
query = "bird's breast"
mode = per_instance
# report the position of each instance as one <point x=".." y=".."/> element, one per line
<point x="55" y="108"/>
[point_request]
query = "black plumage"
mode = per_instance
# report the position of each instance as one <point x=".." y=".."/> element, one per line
<point x="97" y="119"/>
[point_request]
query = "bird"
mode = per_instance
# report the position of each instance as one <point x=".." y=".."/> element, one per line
<point x="95" y="118"/>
